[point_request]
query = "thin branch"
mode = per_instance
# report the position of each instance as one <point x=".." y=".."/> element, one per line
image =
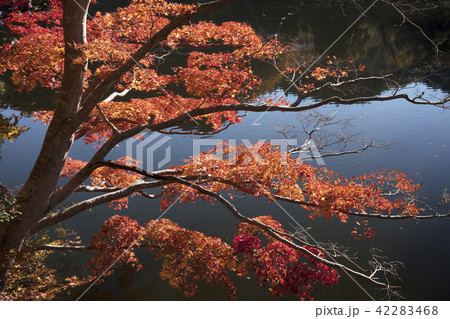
<point x="111" y="125"/>
<point x="280" y="236"/>
<point x="357" y="151"/>
<point x="365" y="215"/>
<point x="332" y="85"/>
<point x="61" y="247"/>
<point x="195" y="132"/>
<point x="405" y="18"/>
<point x="79" y="207"/>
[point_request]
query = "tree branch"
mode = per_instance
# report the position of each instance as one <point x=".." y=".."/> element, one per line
<point x="280" y="236"/>
<point x="94" y="93"/>
<point x="64" y="192"/>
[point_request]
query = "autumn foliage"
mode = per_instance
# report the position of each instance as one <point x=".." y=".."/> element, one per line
<point x="191" y="257"/>
<point x="217" y="71"/>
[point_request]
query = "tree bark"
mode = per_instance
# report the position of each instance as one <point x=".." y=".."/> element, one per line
<point x="33" y="199"/>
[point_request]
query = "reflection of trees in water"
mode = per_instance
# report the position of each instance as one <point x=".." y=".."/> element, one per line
<point x="9" y="125"/>
<point x="380" y="41"/>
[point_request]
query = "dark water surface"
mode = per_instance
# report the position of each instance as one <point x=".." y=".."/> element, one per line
<point x="421" y="148"/>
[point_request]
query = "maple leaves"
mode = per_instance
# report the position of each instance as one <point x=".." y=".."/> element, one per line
<point x="191" y="257"/>
<point x="105" y="177"/>
<point x="36" y="57"/>
<point x="262" y="170"/>
<point x="207" y="78"/>
<point x="282" y="268"/>
<point x="334" y="71"/>
<point x="235" y="34"/>
<point x="225" y="76"/>
<point x="115" y="243"/>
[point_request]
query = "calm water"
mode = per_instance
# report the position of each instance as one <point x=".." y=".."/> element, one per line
<point x="421" y="148"/>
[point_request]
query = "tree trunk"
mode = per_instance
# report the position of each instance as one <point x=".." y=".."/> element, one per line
<point x="34" y="197"/>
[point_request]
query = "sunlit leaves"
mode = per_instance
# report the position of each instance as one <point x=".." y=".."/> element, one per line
<point x="262" y="170"/>
<point x="234" y="34"/>
<point x="30" y="277"/>
<point x="9" y="128"/>
<point x="104" y="177"/>
<point x="190" y="257"/>
<point x="283" y="268"/>
<point x="114" y="244"/>
<point x="224" y="76"/>
<point x="36" y="57"/>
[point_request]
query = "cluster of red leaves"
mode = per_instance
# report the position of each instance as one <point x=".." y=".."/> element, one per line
<point x="334" y="69"/>
<point x="225" y="76"/>
<point x="235" y="34"/>
<point x="105" y="176"/>
<point x="190" y="257"/>
<point x="129" y="26"/>
<point x="36" y="58"/>
<point x="276" y="98"/>
<point x="23" y="20"/>
<point x="15" y="5"/>
<point x="114" y="245"/>
<point x="282" y="268"/>
<point x="279" y="266"/>
<point x="256" y="170"/>
<point x="262" y="170"/>
<point x="394" y="182"/>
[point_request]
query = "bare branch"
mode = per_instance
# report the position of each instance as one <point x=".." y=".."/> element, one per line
<point x="405" y="18"/>
<point x="116" y="94"/>
<point x="79" y="207"/>
<point x="61" y="247"/>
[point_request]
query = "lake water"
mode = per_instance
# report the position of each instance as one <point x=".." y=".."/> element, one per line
<point x="421" y="148"/>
